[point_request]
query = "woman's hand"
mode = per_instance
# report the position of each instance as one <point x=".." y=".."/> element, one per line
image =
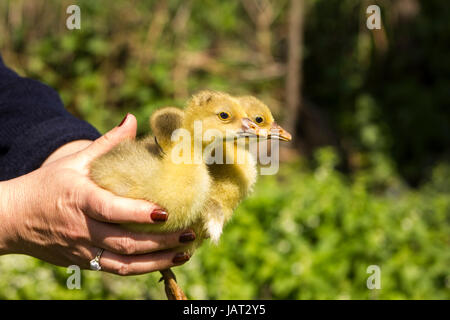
<point x="57" y="214"/>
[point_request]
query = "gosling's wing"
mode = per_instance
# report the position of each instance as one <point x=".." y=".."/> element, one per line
<point x="164" y="122"/>
<point x="153" y="147"/>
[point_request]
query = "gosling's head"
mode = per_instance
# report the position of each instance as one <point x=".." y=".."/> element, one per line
<point x="218" y="114"/>
<point x="261" y="115"/>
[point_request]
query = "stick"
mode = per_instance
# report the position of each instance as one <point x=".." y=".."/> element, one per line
<point x="173" y="290"/>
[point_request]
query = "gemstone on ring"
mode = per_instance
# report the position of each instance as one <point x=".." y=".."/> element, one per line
<point x="95" y="263"/>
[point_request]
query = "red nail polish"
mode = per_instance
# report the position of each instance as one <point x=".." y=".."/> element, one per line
<point x="123" y="120"/>
<point x="181" y="257"/>
<point x="159" y="215"/>
<point x="187" y="237"/>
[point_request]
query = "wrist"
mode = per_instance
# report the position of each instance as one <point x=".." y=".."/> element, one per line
<point x="6" y="218"/>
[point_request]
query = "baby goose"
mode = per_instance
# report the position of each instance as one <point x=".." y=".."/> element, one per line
<point x="232" y="182"/>
<point x="260" y="114"/>
<point x="134" y="170"/>
<point x="234" y="177"/>
<point x="143" y="170"/>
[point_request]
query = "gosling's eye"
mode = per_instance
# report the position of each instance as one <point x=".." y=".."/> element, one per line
<point x="259" y="119"/>
<point x="224" y="115"/>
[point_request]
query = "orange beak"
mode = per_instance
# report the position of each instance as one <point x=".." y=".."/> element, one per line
<point x="277" y="132"/>
<point x="251" y="129"/>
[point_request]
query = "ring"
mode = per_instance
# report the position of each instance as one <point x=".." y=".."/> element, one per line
<point x="95" y="263"/>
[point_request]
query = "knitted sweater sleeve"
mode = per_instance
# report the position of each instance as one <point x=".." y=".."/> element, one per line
<point x="33" y="124"/>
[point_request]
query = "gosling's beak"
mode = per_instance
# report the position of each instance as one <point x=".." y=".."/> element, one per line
<point x="277" y="132"/>
<point x="249" y="128"/>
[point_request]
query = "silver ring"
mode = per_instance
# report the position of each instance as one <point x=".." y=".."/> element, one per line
<point x="95" y="263"/>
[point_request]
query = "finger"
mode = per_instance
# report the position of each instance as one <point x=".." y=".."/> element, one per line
<point x="134" y="265"/>
<point x="125" y="130"/>
<point x="103" y="205"/>
<point x="121" y="241"/>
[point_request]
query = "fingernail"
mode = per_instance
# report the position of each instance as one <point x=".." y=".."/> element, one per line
<point x="187" y="236"/>
<point x="123" y="120"/>
<point x="181" y="257"/>
<point x="159" y="215"/>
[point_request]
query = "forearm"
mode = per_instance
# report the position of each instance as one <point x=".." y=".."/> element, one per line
<point x="8" y="213"/>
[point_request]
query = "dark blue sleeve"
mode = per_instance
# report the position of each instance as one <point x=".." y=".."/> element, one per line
<point x="33" y="124"/>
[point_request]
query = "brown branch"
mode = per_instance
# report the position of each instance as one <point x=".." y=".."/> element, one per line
<point x="294" y="68"/>
<point x="180" y="71"/>
<point x="159" y="20"/>
<point x="262" y="15"/>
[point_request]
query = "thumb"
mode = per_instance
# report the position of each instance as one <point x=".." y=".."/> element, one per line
<point x="125" y="130"/>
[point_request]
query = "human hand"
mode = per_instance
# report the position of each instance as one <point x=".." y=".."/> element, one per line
<point x="57" y="214"/>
